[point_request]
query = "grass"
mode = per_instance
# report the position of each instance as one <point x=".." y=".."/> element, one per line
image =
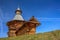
<point x="53" y="35"/>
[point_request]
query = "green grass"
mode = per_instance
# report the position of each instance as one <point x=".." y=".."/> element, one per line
<point x="53" y="35"/>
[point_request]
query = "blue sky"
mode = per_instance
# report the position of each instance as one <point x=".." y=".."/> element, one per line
<point x="47" y="12"/>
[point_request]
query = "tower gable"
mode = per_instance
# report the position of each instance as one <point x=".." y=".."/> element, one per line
<point x="18" y="15"/>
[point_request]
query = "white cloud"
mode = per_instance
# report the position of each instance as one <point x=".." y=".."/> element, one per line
<point x="49" y="19"/>
<point x="1" y="21"/>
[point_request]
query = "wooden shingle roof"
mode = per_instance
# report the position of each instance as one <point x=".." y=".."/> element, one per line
<point x="33" y="19"/>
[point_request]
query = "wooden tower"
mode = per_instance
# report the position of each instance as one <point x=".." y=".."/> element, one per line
<point x="18" y="26"/>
